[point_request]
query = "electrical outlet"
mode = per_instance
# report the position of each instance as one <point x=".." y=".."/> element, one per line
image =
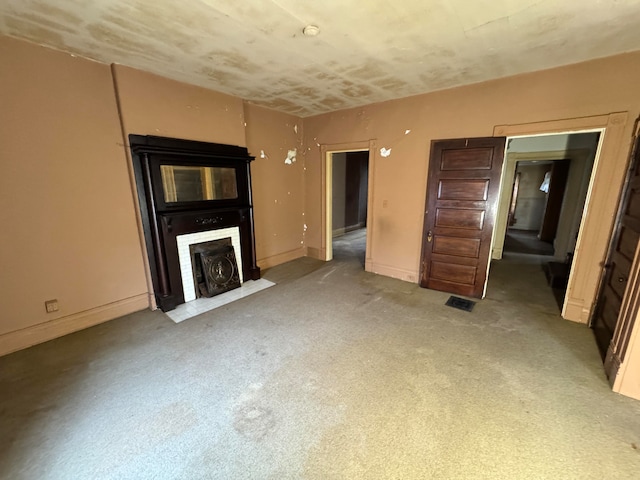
<point x="51" y="305"/>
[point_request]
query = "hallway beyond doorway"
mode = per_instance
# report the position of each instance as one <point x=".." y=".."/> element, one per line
<point x="526" y="241"/>
<point x="350" y="246"/>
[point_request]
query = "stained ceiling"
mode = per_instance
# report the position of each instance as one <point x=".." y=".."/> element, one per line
<point x="367" y="50"/>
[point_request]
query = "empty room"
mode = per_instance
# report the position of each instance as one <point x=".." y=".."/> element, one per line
<point x="281" y="239"/>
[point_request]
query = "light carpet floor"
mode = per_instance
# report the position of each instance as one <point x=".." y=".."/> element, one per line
<point x="333" y="373"/>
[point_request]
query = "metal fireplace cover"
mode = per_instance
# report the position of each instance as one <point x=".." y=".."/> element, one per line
<point x="220" y="270"/>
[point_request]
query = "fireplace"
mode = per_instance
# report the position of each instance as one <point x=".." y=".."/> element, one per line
<point x="190" y="194"/>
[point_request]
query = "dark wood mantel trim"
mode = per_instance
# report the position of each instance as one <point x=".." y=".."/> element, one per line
<point x="163" y="223"/>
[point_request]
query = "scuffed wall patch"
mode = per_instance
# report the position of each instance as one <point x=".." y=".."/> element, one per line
<point x="385" y="152"/>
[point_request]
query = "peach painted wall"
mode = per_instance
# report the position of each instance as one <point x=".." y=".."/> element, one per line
<point x="69" y="229"/>
<point x="153" y="105"/>
<point x="68" y="191"/>
<point x="278" y="187"/>
<point x="399" y="181"/>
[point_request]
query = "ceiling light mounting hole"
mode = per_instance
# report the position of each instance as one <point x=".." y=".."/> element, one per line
<point x="311" y="30"/>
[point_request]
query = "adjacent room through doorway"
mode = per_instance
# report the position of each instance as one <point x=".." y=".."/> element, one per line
<point x="545" y="185"/>
<point x="349" y="197"/>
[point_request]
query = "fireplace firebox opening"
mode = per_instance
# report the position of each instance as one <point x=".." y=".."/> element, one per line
<point x="214" y="267"/>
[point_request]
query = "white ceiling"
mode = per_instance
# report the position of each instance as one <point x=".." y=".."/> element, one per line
<point x="367" y="51"/>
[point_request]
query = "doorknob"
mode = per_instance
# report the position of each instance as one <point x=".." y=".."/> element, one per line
<point x="429" y="236"/>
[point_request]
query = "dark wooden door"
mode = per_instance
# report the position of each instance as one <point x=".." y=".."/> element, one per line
<point x="462" y="198"/>
<point x="618" y="265"/>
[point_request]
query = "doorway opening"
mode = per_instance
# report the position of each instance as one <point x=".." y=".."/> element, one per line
<point x="346" y="204"/>
<point x="364" y="148"/>
<point x="545" y="186"/>
<point x="349" y="194"/>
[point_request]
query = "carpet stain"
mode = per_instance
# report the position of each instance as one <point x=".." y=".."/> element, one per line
<point x="253" y="421"/>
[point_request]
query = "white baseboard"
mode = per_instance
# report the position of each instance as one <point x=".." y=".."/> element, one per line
<point x="27" y="337"/>
<point x="285" y="257"/>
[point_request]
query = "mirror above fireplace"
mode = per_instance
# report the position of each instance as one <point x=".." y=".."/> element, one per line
<point x="184" y="183"/>
<point x="191" y="192"/>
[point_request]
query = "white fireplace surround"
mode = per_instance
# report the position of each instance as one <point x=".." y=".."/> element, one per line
<point x="184" y="255"/>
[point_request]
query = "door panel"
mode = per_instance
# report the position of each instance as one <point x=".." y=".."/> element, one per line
<point x="620" y="258"/>
<point x="465" y="247"/>
<point x="452" y="273"/>
<point x="468" y="159"/>
<point x="610" y="310"/>
<point x="458" y="218"/>
<point x="459" y="189"/>
<point x="628" y="241"/>
<point x="462" y="194"/>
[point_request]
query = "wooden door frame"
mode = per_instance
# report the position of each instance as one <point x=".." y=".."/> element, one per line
<point x="513" y="201"/>
<point x="326" y="151"/>
<point x="609" y="170"/>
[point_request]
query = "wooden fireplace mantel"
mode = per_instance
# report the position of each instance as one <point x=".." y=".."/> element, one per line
<point x="163" y="221"/>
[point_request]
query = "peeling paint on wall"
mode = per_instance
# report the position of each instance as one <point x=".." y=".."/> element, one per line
<point x="263" y="155"/>
<point x="291" y="156"/>
<point x="385" y="152"/>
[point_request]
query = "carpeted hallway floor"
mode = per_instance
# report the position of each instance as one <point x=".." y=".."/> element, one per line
<point x="334" y="373"/>
<point x="526" y="241"/>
